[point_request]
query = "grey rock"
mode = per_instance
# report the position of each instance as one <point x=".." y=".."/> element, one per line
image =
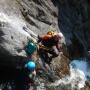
<point x="12" y="43"/>
<point x="14" y="34"/>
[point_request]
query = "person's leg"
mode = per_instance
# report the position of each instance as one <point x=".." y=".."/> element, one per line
<point x="44" y="56"/>
<point x="54" y="53"/>
<point x="39" y="39"/>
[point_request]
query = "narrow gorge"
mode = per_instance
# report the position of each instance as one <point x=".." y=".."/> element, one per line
<point x="21" y="20"/>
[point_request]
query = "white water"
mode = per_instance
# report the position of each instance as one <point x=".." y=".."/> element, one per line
<point x="79" y="71"/>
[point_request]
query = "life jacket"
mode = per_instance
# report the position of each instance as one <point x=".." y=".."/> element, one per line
<point x="46" y="37"/>
<point x="49" y="40"/>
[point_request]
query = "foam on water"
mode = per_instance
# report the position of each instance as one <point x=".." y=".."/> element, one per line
<point x="79" y="71"/>
<point x="82" y="66"/>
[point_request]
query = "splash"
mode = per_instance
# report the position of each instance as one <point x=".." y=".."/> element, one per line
<point x="81" y="66"/>
<point x="79" y="71"/>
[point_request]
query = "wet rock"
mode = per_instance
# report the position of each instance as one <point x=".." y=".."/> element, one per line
<point x="60" y="66"/>
<point x="87" y="86"/>
<point x="40" y="15"/>
<point x="72" y="17"/>
<point x="11" y="40"/>
<point x="73" y="21"/>
<point x="60" y="87"/>
<point x="13" y="34"/>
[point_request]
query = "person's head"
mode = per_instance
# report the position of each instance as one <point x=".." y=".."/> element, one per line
<point x="31" y="48"/>
<point x="60" y="35"/>
<point x="30" y="66"/>
<point x="51" y="33"/>
<point x="62" y="38"/>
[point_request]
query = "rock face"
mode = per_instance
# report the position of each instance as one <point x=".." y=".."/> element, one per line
<point x="11" y="41"/>
<point x="16" y="26"/>
<point x="41" y="14"/>
<point x="18" y="18"/>
<point x="74" y="22"/>
<point x="13" y="36"/>
<point x="17" y="21"/>
<point x="71" y="16"/>
<point x="61" y="66"/>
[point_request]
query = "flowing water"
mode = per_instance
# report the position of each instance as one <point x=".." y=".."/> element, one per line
<point x="79" y="73"/>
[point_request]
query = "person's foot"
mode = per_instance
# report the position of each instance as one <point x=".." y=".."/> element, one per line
<point x="49" y="60"/>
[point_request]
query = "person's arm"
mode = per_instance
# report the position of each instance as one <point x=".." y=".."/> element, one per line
<point x="39" y="39"/>
<point x="34" y="73"/>
<point x="58" y="45"/>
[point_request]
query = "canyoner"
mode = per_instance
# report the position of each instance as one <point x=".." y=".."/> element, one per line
<point x="37" y="63"/>
<point x="37" y="67"/>
<point x="50" y="43"/>
<point x="31" y="65"/>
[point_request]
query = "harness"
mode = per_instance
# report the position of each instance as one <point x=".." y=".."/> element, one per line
<point x="43" y="47"/>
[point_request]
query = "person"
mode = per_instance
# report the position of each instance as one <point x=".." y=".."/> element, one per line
<point x="50" y="43"/>
<point x="31" y="49"/>
<point x="29" y="73"/>
<point x="30" y="67"/>
<point x="29" y="63"/>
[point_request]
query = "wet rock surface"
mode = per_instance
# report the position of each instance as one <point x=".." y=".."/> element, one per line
<point x="61" y="66"/>
<point x="11" y="41"/>
<point x="71" y="17"/>
<point x="19" y="17"/>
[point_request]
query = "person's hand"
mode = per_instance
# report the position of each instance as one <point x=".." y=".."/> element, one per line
<point x="34" y="73"/>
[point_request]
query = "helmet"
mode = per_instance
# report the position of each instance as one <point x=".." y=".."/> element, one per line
<point x="50" y="33"/>
<point x="30" y="65"/>
<point x="31" y="47"/>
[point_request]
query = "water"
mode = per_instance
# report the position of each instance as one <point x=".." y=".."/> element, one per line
<point x="79" y="73"/>
<point x="82" y="66"/>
